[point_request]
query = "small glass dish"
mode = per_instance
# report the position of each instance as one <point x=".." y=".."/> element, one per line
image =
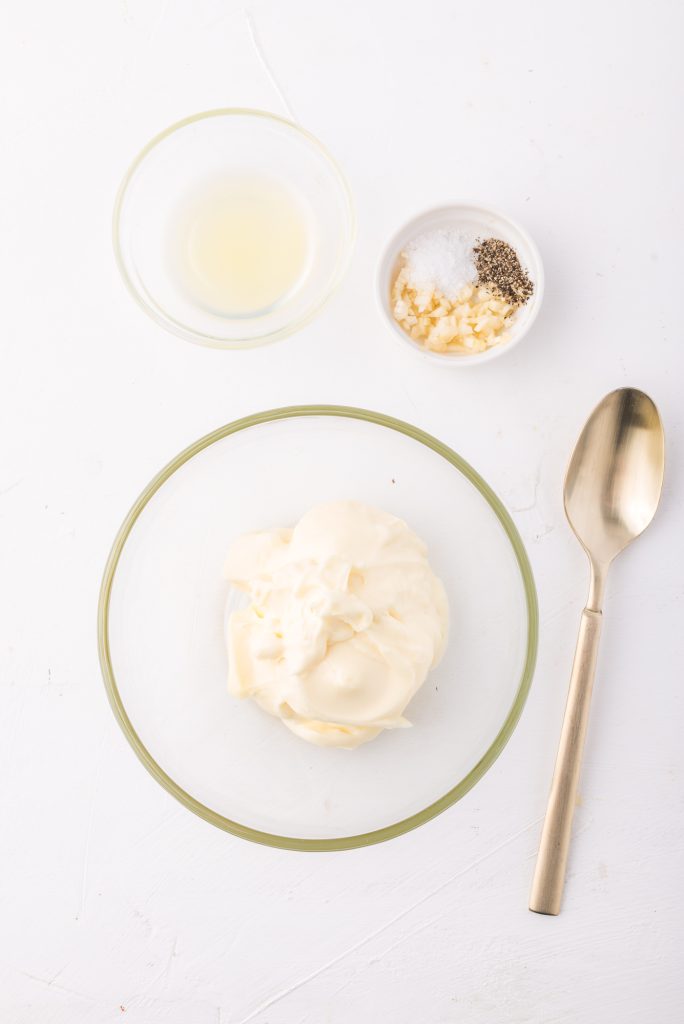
<point x="192" y="152"/>
<point x="479" y="222"/>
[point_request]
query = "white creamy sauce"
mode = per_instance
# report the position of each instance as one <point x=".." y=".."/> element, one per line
<point x="345" y="621"/>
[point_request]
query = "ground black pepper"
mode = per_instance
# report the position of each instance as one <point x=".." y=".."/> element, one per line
<point x="499" y="269"/>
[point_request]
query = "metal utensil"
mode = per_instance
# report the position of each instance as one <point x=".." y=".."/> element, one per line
<point x="612" y="489"/>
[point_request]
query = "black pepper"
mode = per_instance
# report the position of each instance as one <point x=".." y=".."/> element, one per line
<point x="500" y="270"/>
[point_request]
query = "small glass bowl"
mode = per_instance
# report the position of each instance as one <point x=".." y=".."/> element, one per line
<point x="189" y="153"/>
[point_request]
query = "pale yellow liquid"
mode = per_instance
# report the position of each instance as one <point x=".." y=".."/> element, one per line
<point x="242" y="245"/>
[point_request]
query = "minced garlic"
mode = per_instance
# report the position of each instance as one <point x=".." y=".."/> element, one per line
<point x="472" y="322"/>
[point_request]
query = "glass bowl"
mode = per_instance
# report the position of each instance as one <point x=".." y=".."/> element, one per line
<point x="162" y="630"/>
<point x="183" y="159"/>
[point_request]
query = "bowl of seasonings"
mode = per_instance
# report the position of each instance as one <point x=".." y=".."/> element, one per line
<point x="460" y="284"/>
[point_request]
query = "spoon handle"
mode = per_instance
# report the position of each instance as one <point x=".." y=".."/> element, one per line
<point x="549" y="875"/>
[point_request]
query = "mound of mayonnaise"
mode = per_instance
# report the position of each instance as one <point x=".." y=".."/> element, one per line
<point x="345" y="620"/>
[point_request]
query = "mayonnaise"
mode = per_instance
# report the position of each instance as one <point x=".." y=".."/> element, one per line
<point x="346" y="619"/>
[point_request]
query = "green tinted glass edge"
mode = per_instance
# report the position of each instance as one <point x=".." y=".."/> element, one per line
<point x="414" y="820"/>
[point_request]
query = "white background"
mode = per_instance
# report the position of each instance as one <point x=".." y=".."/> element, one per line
<point x="117" y="905"/>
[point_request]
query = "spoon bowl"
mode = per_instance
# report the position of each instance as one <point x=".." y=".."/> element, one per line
<point x="615" y="476"/>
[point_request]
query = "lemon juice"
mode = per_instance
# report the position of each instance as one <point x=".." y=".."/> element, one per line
<point x="241" y="245"/>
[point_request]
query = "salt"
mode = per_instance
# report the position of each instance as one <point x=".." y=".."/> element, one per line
<point x="442" y="261"/>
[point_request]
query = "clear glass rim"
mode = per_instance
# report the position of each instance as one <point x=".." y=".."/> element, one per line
<point x="164" y="319"/>
<point x="443" y="802"/>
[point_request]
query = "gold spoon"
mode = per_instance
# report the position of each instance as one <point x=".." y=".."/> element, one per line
<point x="612" y="489"/>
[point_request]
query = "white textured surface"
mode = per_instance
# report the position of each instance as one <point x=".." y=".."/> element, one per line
<point x="118" y="905"/>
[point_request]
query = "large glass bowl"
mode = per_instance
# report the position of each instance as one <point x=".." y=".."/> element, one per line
<point x="162" y="617"/>
<point x="205" y="147"/>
